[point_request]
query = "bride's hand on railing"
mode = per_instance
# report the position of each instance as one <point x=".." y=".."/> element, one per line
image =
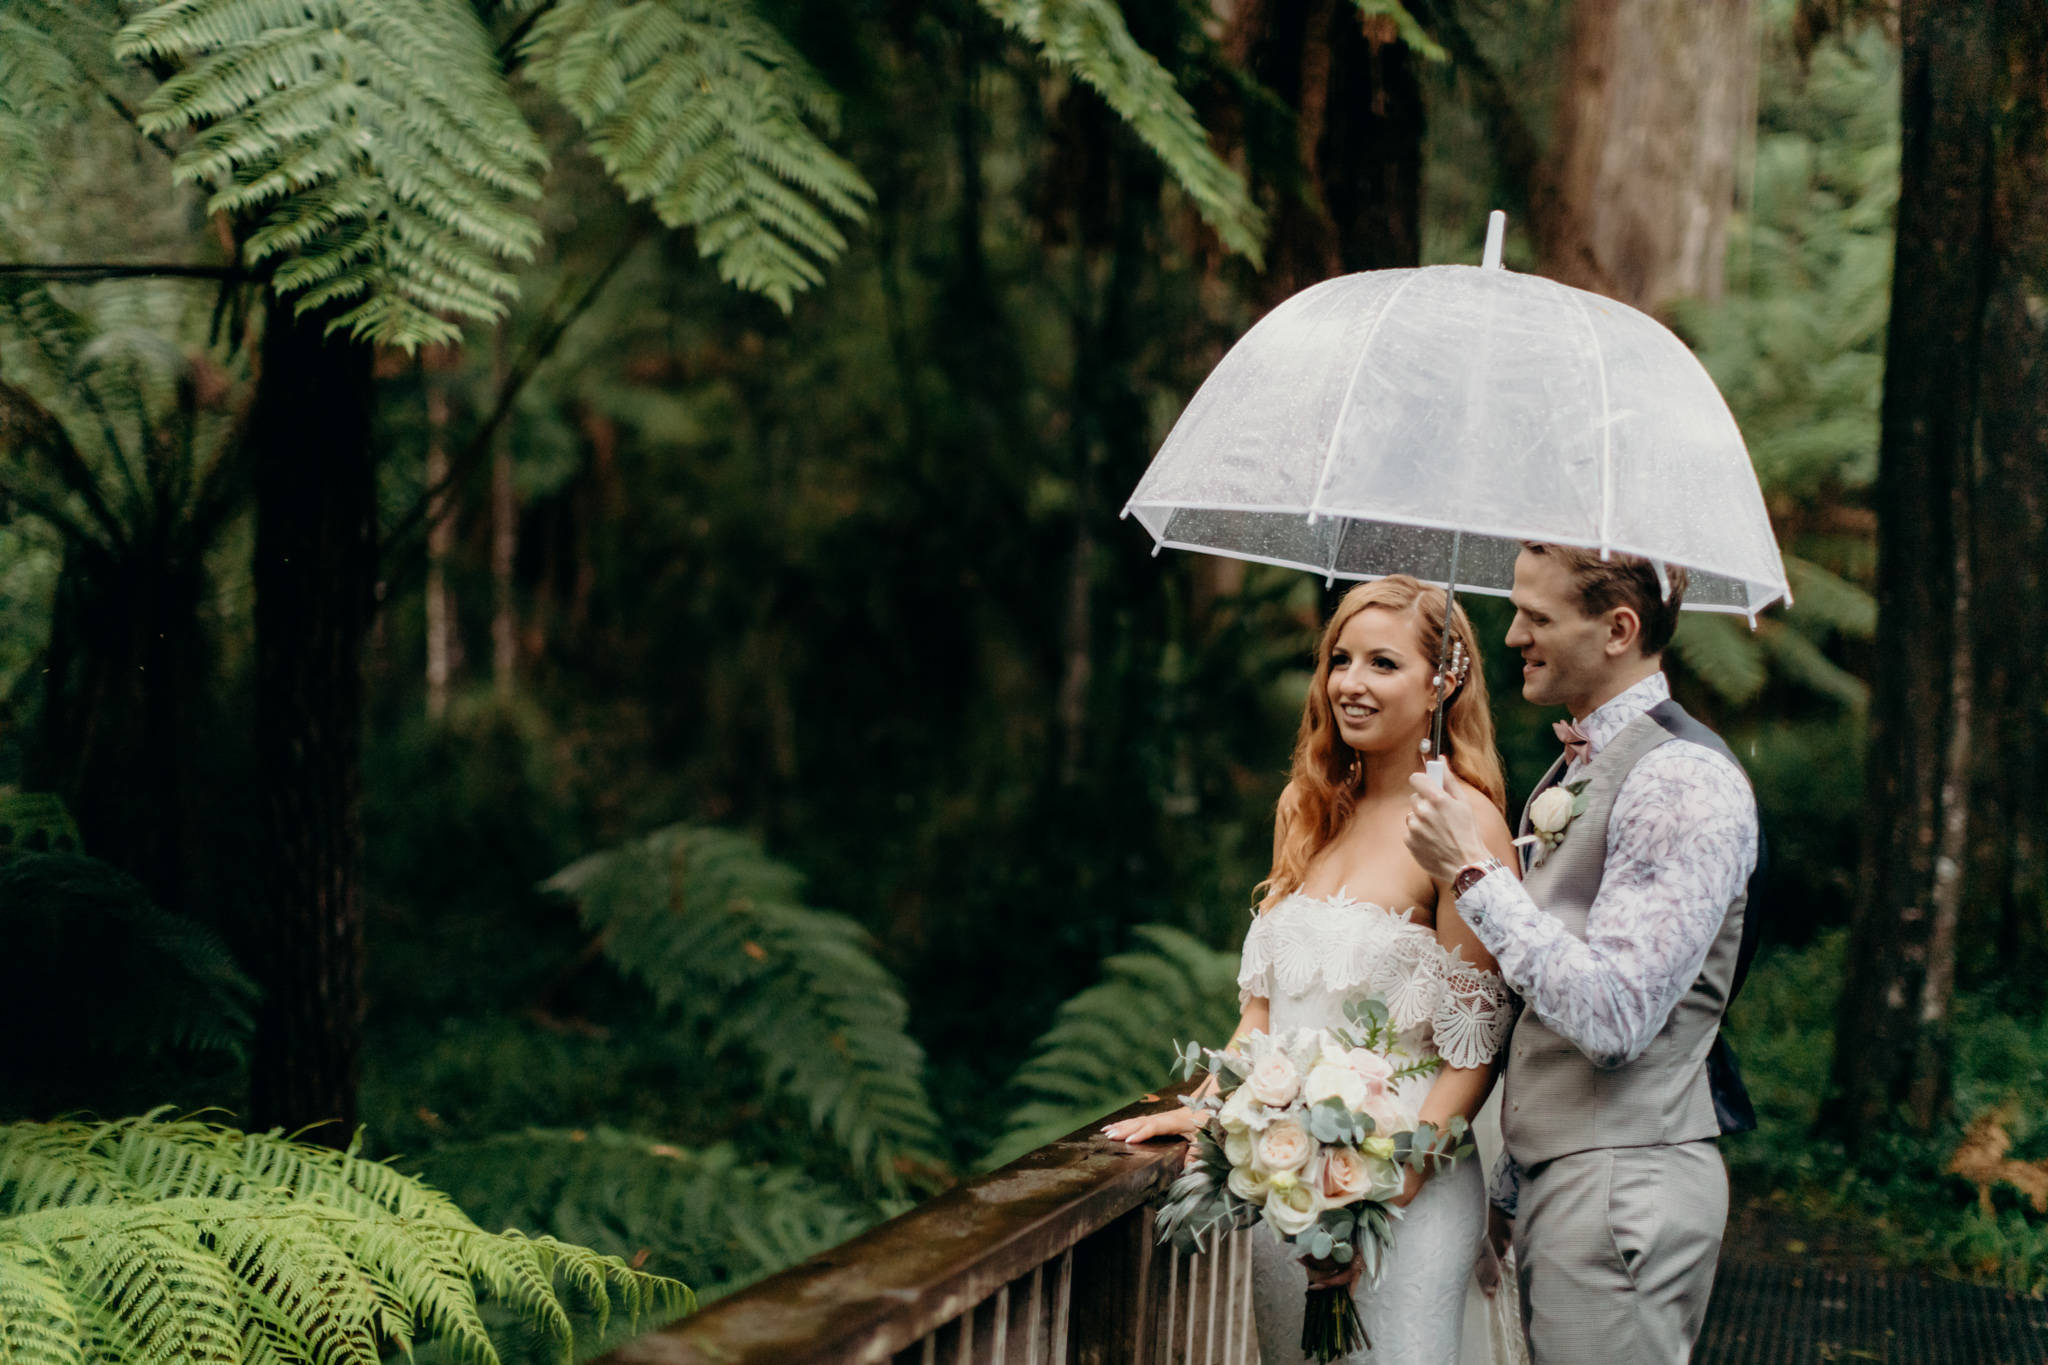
<point x="1178" y="1123"/>
<point x="1174" y="1123"/>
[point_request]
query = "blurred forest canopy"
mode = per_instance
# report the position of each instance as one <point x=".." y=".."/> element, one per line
<point x="618" y="475"/>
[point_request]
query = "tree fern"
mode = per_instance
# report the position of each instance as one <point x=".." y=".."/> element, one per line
<point x="39" y="82"/>
<point x="702" y="1213"/>
<point x="1089" y="39"/>
<point x="1114" y="1041"/>
<point x="716" y="930"/>
<point x="1723" y="653"/>
<point x="371" y="145"/>
<point x="72" y="922"/>
<point x="705" y="112"/>
<point x="148" y="1240"/>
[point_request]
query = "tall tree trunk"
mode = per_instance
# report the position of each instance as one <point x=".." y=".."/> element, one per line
<point x="1890" y="1043"/>
<point x="1658" y="98"/>
<point x="440" y="543"/>
<point x="504" y="545"/>
<point x="314" y="569"/>
<point x="1352" y="197"/>
<point x="2009" y="878"/>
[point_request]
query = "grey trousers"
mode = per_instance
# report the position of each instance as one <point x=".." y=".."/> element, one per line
<point x="1616" y="1248"/>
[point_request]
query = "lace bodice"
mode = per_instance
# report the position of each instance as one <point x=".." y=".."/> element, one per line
<point x="1318" y="950"/>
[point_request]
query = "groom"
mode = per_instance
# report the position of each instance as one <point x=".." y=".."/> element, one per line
<point x="1625" y="942"/>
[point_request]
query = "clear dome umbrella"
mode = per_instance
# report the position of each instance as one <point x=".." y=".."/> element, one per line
<point x="1428" y="421"/>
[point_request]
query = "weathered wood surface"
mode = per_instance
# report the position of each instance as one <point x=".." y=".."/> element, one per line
<point x="887" y="1289"/>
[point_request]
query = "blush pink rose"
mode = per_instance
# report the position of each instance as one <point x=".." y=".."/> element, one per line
<point x="1372" y="1068"/>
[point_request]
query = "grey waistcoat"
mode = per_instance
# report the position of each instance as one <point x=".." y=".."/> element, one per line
<point x="1554" y="1100"/>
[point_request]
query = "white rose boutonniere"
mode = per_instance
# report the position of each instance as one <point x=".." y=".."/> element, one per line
<point x="1550" y="816"/>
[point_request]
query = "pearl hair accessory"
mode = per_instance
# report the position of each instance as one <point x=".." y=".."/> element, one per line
<point x="1455" y="669"/>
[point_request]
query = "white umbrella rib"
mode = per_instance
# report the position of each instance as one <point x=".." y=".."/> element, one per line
<point x="1606" y="421"/>
<point x="1351" y="387"/>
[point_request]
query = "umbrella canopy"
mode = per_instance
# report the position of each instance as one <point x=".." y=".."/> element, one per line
<point x="1377" y="423"/>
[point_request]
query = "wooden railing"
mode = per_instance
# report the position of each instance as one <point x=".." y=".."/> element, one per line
<point x="1048" y="1261"/>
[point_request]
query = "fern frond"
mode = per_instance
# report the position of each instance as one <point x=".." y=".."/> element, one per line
<point x="1832" y="599"/>
<point x="703" y="1213"/>
<point x="1411" y="32"/>
<point x="147" y="1239"/>
<point x="1723" y="653"/>
<point x="1798" y="659"/>
<point x="716" y="930"/>
<point x="372" y="147"/>
<point x="39" y="87"/>
<point x="706" y="113"/>
<point x="1114" y="1041"/>
<point x="73" y="918"/>
<point x="1088" y="38"/>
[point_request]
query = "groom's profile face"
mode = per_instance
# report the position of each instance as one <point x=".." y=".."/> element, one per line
<point x="1564" y="658"/>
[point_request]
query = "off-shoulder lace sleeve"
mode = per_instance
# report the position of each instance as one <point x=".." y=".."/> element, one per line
<point x="1255" y="962"/>
<point x="1472" y="1015"/>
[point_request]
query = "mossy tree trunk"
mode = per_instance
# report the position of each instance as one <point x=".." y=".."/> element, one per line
<point x="1633" y="198"/>
<point x="1958" y="495"/>
<point x="2008" y="913"/>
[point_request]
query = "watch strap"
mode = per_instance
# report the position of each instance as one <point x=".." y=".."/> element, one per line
<point x="1472" y="874"/>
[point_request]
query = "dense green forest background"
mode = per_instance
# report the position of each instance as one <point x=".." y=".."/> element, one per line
<point x="697" y="600"/>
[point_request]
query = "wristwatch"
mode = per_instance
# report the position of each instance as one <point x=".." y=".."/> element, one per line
<point x="1469" y="875"/>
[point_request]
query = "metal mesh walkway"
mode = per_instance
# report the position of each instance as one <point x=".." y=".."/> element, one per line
<point x="1779" y="1315"/>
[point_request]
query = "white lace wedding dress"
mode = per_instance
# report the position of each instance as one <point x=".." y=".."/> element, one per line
<point x="1308" y="955"/>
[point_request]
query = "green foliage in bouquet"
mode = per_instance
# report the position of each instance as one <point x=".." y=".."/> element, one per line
<point x="148" y="1240"/>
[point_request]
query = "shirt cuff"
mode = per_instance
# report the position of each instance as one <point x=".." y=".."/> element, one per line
<point x="1504" y="1185"/>
<point x="1483" y="897"/>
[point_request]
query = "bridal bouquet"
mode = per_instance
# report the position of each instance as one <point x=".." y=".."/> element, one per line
<point x="1302" y="1132"/>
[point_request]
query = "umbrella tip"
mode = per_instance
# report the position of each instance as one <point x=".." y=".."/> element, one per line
<point x="1496" y="230"/>
<point x="1156" y="548"/>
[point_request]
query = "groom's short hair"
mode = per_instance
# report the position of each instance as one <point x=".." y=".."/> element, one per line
<point x="1622" y="581"/>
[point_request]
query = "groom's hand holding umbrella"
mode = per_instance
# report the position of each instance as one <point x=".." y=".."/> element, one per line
<point x="1443" y="834"/>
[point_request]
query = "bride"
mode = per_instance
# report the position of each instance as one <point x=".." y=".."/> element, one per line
<point x="1347" y="912"/>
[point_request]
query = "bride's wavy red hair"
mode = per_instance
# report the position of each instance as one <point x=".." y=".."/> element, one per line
<point x="1327" y="780"/>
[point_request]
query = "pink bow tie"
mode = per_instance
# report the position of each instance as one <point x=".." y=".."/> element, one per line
<point x="1577" y="748"/>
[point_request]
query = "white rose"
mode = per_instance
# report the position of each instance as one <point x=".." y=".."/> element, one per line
<point x="1329" y="1081"/>
<point x="1274" y="1080"/>
<point x="1388" y="1115"/>
<point x="1248" y="1184"/>
<point x="1552" y="811"/>
<point x="1238" y="1112"/>
<point x="1347" y="1175"/>
<point x="1237" y="1147"/>
<point x="1387" y="1178"/>
<point x="1291" y="1210"/>
<point x="1284" y="1146"/>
